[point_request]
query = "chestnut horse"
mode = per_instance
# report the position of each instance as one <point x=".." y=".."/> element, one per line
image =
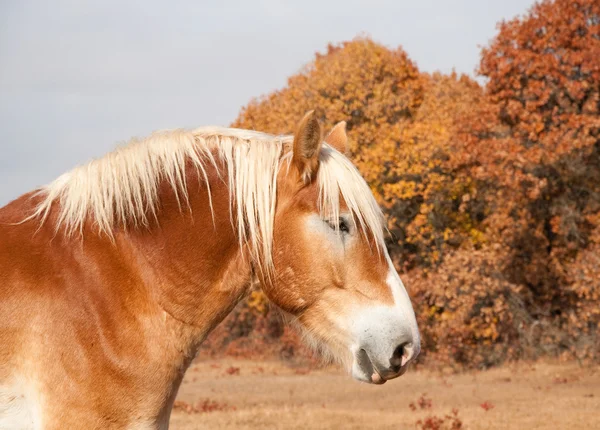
<point x="112" y="275"/>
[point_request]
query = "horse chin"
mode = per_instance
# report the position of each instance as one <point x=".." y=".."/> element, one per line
<point x="377" y="379"/>
<point x="363" y="375"/>
<point x="363" y="370"/>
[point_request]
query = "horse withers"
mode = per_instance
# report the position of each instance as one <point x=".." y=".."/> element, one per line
<point x="112" y="275"/>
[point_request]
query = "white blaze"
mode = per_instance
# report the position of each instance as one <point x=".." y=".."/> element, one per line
<point x="403" y="304"/>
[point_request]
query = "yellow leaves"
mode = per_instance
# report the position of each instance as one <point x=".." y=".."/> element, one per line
<point x="489" y="333"/>
<point x="447" y="234"/>
<point x="425" y="208"/>
<point x="477" y="237"/>
<point x="433" y="310"/>
<point x="258" y="301"/>
<point x="445" y="316"/>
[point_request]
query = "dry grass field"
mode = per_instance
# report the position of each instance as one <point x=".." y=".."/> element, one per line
<point x="231" y="394"/>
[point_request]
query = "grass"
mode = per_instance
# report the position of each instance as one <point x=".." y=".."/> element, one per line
<point x="270" y="395"/>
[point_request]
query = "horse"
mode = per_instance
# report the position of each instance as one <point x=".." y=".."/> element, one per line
<point x="112" y="275"/>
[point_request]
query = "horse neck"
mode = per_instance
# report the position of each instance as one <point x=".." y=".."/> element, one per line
<point x="192" y="260"/>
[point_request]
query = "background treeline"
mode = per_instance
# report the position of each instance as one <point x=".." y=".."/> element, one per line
<point x="492" y="193"/>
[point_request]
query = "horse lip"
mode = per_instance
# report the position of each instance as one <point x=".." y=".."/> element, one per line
<point x="375" y="376"/>
<point x="377" y="379"/>
<point x="398" y="373"/>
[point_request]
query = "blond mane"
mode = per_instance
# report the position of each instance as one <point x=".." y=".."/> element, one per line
<point x="121" y="188"/>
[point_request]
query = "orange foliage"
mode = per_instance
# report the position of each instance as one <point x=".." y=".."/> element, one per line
<point x="544" y="79"/>
<point x="583" y="316"/>
<point x="468" y="313"/>
<point x="431" y="206"/>
<point x="535" y="148"/>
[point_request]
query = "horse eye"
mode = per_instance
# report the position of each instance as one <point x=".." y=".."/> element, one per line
<point x="341" y="226"/>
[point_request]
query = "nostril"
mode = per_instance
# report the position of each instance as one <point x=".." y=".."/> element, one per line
<point x="402" y="355"/>
<point x="399" y="351"/>
<point x="399" y="355"/>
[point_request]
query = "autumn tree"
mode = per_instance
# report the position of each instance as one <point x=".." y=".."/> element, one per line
<point x="583" y="316"/>
<point x="469" y="314"/>
<point x="431" y="205"/>
<point x="536" y="144"/>
<point x="399" y="124"/>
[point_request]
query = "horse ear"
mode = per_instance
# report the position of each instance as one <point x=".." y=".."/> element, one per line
<point x="337" y="137"/>
<point x="307" y="145"/>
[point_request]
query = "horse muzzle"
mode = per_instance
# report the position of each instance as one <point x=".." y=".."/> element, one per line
<point x="384" y="347"/>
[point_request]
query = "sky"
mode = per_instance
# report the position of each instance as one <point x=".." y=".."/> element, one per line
<point x="79" y="77"/>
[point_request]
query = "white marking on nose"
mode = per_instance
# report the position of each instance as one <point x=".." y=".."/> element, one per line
<point x="403" y="304"/>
